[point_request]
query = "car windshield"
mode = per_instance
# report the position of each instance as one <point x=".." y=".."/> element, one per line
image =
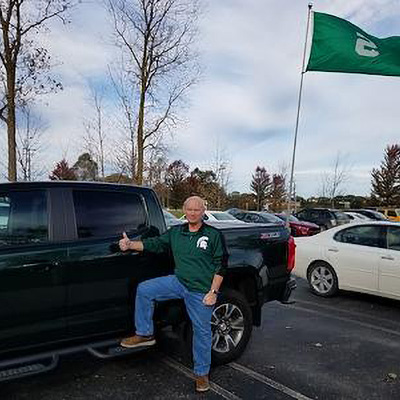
<point x="271" y="218"/>
<point x="341" y="216"/>
<point x="292" y="218"/>
<point x="356" y="215"/>
<point x="223" y="216"/>
<point x="379" y="216"/>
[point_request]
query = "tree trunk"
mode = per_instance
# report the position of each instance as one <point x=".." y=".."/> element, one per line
<point x="140" y="142"/>
<point x="11" y="128"/>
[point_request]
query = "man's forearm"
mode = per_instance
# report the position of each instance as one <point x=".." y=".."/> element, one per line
<point x="217" y="282"/>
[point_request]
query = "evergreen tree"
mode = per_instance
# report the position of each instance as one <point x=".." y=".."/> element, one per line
<point x="260" y="186"/>
<point x="278" y="192"/>
<point x="386" y="178"/>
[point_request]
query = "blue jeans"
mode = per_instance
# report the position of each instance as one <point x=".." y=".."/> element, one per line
<point x="167" y="288"/>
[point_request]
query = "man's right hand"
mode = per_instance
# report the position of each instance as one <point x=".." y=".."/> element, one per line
<point x="124" y="242"/>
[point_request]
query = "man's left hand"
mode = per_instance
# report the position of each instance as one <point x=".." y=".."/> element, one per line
<point x="210" y="299"/>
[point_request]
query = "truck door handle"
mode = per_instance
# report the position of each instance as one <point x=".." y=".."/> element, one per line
<point x="333" y="250"/>
<point x="387" y="258"/>
<point x="42" y="266"/>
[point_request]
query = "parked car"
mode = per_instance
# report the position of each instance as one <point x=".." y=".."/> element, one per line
<point x="300" y="228"/>
<point x="221" y="216"/>
<point x="371" y="214"/>
<point x="259" y="217"/>
<point x="325" y="218"/>
<point x="65" y="286"/>
<point x="170" y="219"/>
<point x="361" y="257"/>
<point x="356" y="217"/>
<point x="392" y="214"/>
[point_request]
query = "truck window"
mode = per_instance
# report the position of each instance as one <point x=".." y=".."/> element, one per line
<point x="23" y="218"/>
<point x="102" y="213"/>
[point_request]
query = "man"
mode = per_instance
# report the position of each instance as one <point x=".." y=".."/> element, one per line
<point x="199" y="254"/>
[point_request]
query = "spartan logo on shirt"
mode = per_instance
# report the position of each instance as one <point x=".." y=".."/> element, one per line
<point x="202" y="243"/>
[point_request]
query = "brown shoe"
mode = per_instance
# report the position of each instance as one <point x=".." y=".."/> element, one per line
<point x="202" y="383"/>
<point x="138" y="341"/>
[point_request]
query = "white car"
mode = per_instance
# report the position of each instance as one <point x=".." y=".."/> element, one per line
<point x="361" y="257"/>
<point x="356" y="217"/>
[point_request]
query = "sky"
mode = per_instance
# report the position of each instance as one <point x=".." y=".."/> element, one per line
<point x="246" y="102"/>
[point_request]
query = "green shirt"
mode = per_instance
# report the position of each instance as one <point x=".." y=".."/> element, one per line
<point x="198" y="255"/>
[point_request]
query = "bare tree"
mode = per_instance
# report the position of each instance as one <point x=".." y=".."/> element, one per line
<point x="157" y="38"/>
<point x="222" y="169"/>
<point x="121" y="156"/>
<point x="156" y="164"/>
<point x="95" y="136"/>
<point x="332" y="182"/>
<point x="24" y="65"/>
<point x="30" y="145"/>
<point x="125" y="89"/>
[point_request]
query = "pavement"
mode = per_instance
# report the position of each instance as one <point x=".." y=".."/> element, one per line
<point x="346" y="347"/>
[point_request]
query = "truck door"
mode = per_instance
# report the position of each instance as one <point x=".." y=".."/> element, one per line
<point x="32" y="296"/>
<point x="102" y="280"/>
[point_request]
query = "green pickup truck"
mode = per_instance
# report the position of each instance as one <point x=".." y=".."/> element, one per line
<point x="66" y="287"/>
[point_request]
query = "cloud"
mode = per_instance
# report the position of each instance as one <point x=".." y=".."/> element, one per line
<point x="252" y="107"/>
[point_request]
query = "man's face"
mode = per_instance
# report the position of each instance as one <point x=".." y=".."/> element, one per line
<point x="194" y="212"/>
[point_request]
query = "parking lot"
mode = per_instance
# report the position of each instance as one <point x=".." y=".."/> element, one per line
<point x="347" y="347"/>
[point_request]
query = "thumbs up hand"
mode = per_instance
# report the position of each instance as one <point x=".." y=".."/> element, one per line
<point x="124" y="242"/>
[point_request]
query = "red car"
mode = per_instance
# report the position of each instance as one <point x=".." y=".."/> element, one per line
<point x="300" y="228"/>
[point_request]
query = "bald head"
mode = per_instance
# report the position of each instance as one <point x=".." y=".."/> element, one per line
<point x="194" y="201"/>
<point x="194" y="208"/>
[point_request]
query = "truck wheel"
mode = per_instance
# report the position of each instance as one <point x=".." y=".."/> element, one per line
<point x="231" y="325"/>
<point x="322" y="279"/>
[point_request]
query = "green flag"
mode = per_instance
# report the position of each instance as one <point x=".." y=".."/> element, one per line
<point x="340" y="46"/>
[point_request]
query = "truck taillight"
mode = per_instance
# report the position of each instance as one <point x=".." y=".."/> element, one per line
<point x="291" y="254"/>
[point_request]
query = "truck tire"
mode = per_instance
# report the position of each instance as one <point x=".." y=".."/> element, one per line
<point x="322" y="279"/>
<point x="231" y="325"/>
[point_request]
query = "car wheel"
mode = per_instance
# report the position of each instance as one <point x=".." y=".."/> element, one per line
<point x="322" y="279"/>
<point x="231" y="324"/>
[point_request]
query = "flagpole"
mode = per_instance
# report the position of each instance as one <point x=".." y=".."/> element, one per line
<point x="289" y="196"/>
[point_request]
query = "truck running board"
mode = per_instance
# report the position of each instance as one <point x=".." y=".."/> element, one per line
<point x="113" y="351"/>
<point x="27" y="369"/>
<point x="43" y="362"/>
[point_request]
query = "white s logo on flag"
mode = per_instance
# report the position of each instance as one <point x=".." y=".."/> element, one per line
<point x="365" y="47"/>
